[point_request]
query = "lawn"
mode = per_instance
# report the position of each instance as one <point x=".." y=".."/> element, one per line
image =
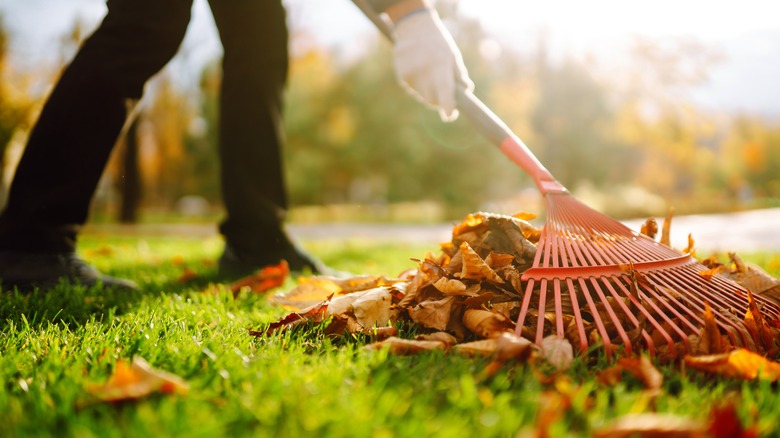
<point x="55" y="344"/>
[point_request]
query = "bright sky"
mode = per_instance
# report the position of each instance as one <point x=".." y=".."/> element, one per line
<point x="747" y="32"/>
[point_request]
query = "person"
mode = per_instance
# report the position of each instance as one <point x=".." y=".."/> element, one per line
<point x="83" y="116"/>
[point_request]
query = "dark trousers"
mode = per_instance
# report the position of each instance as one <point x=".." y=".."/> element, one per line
<point x="71" y="142"/>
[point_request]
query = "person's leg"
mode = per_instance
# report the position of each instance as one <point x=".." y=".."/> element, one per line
<point x="255" y="40"/>
<point x="68" y="147"/>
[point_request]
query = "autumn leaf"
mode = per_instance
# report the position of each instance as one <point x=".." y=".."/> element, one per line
<point x="711" y="340"/>
<point x="187" y="274"/>
<point x="667" y="227"/>
<point x="444" y="337"/>
<point x="758" y="328"/>
<point x="433" y="314"/>
<point x="707" y="274"/>
<point x="267" y="278"/>
<point x="402" y="346"/>
<point x="137" y="380"/>
<point x="652" y="425"/>
<point x="725" y="423"/>
<point x="486" y="323"/>
<point x="372" y="308"/>
<point x="739" y="364"/>
<point x="315" y="313"/>
<point x="558" y="352"/>
<point x="649" y="228"/>
<point x="474" y="268"/>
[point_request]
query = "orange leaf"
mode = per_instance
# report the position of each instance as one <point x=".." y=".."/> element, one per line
<point x="315" y="313"/>
<point x="474" y="268"/>
<point x="644" y="371"/>
<point x="740" y="364"/>
<point x="406" y="346"/>
<point x="707" y="274"/>
<point x="186" y="275"/>
<point x="757" y="327"/>
<point x="652" y="425"/>
<point x="139" y="379"/>
<point x="650" y="228"/>
<point x="711" y="339"/>
<point x="265" y="279"/>
<point x="666" y="229"/>
<point x="433" y="314"/>
<point x="486" y="323"/>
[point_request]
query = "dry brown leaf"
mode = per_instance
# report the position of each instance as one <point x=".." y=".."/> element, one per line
<point x="486" y="323"/>
<point x="707" y="274"/>
<point x="309" y="291"/>
<point x="739" y="364"/>
<point x="481" y="348"/>
<point x="652" y="425"/>
<point x="758" y="328"/>
<point x="753" y="278"/>
<point x="650" y="227"/>
<point x="187" y="274"/>
<point x="270" y="277"/>
<point x="667" y="227"/>
<point x="433" y="314"/>
<point x="558" y="352"/>
<point x="691" y="248"/>
<point x="139" y="379"/>
<point x="711" y="340"/>
<point x="644" y="370"/>
<point x="474" y="268"/>
<point x="444" y="337"/>
<point x="315" y="314"/>
<point x="406" y="346"/>
<point x="372" y="308"/>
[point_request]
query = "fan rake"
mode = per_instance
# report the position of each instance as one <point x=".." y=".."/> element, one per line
<point x="598" y="282"/>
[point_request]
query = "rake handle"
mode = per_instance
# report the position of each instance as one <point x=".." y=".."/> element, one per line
<point x="485" y="121"/>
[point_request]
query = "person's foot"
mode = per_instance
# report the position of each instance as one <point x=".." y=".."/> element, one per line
<point x="235" y="263"/>
<point x="26" y="271"/>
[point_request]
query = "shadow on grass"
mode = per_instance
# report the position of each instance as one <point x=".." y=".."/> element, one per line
<point x="73" y="304"/>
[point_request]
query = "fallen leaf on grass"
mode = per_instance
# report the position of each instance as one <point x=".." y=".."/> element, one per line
<point x="187" y="274"/>
<point x="270" y="277"/>
<point x="642" y="369"/>
<point x="725" y="423"/>
<point x="139" y="379"/>
<point x="315" y="313"/>
<point x="402" y="346"/>
<point x="740" y="364"/>
<point x="558" y="352"/>
<point x="372" y="308"/>
<point x="652" y="425"/>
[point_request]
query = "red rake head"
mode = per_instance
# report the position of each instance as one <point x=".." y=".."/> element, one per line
<point x="596" y="282"/>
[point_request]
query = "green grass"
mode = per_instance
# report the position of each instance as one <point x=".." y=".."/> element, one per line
<point x="54" y="344"/>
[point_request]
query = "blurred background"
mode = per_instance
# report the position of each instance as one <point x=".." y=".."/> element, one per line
<point x="635" y="106"/>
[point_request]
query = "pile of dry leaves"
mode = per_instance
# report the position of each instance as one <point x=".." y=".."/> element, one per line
<point x="467" y="298"/>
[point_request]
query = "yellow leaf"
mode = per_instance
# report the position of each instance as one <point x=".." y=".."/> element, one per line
<point x="740" y="364"/>
<point x="139" y="379"/>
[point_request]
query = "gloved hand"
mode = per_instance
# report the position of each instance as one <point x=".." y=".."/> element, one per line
<point x="428" y="63"/>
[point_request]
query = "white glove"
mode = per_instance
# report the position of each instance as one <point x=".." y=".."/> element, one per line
<point x="428" y="63"/>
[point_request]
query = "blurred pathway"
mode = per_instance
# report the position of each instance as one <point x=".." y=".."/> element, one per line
<point x="754" y="230"/>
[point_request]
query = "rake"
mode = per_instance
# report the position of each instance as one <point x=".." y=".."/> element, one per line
<point x="598" y="282"/>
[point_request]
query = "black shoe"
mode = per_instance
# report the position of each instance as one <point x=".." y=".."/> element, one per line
<point x="237" y="264"/>
<point x="44" y="270"/>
